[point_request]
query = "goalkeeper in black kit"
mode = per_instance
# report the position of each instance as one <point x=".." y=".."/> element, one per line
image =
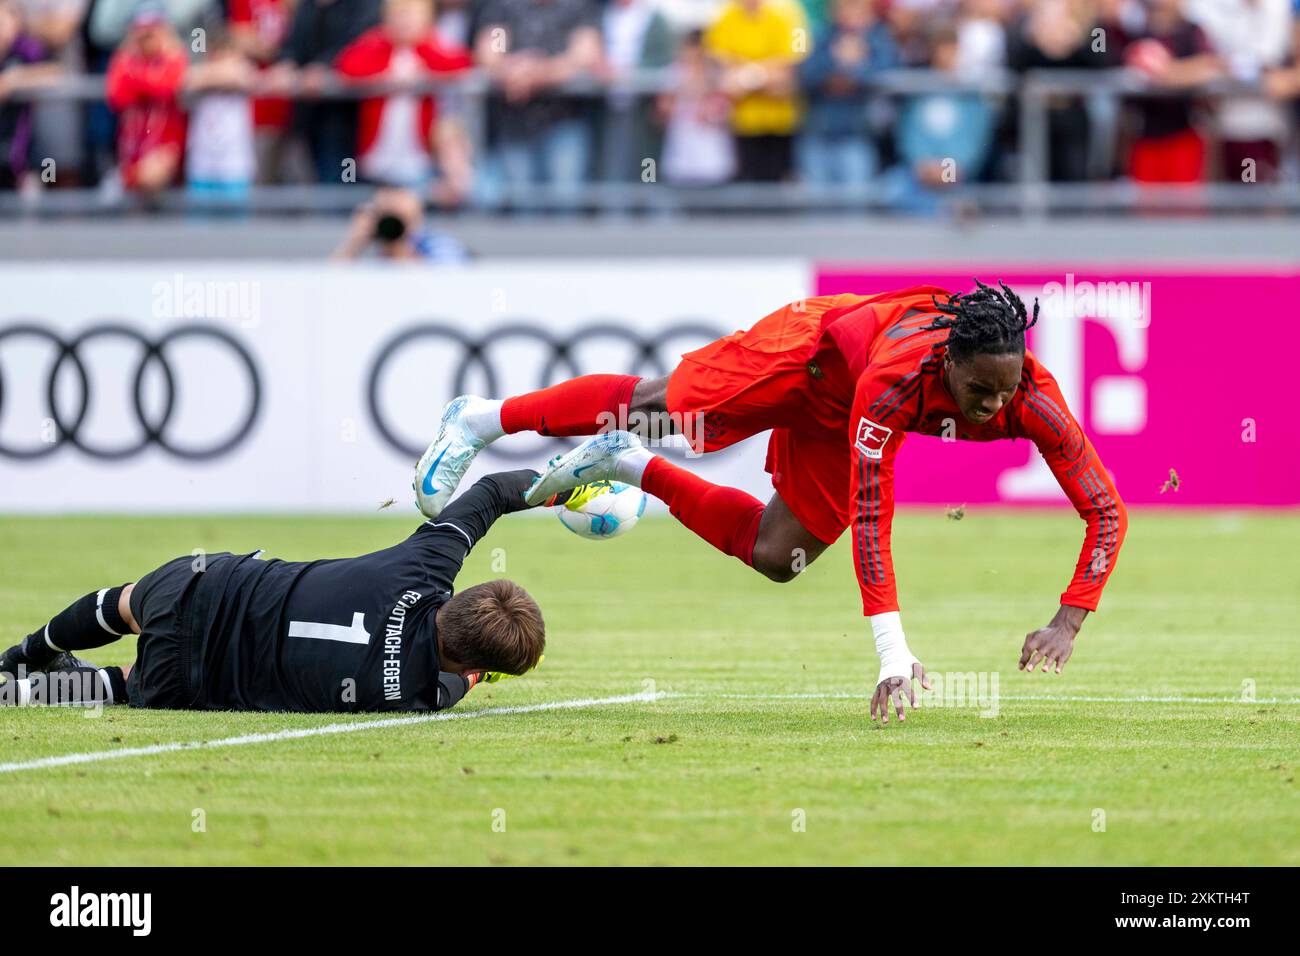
<point x="382" y="631"/>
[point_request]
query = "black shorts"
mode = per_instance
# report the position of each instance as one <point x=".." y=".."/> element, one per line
<point x="764" y="159"/>
<point x="168" y="652"/>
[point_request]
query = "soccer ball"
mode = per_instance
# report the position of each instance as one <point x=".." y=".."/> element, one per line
<point x="602" y="510"/>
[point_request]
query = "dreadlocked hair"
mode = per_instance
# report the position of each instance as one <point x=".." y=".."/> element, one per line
<point x="985" y="321"/>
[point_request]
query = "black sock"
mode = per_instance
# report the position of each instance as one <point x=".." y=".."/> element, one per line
<point x="88" y="622"/>
<point x="117" y="684"/>
<point x="66" y="687"/>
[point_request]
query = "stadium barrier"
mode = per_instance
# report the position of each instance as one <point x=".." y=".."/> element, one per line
<point x="1029" y="95"/>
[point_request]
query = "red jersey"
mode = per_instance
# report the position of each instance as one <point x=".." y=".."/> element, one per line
<point x="368" y="58"/>
<point x="875" y="346"/>
<point x="269" y="20"/>
<point x="145" y="93"/>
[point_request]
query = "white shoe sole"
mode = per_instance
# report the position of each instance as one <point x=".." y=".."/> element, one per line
<point x="594" y="460"/>
<point x="432" y="491"/>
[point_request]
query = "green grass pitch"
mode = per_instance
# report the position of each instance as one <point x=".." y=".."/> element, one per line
<point x="760" y="750"/>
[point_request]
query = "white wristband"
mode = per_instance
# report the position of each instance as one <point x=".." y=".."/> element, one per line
<point x="896" y="659"/>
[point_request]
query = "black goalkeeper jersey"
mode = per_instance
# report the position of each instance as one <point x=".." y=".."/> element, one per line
<point x="349" y="634"/>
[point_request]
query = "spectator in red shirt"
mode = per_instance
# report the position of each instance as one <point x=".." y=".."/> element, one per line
<point x="144" y="83"/>
<point x="1173" y="53"/>
<point x="400" y="135"/>
<point x="258" y="29"/>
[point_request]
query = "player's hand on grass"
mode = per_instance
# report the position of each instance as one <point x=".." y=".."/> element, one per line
<point x="1051" y="646"/>
<point x="899" y="692"/>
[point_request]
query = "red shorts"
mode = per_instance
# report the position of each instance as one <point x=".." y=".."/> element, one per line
<point x="1177" y="158"/>
<point x="771" y="377"/>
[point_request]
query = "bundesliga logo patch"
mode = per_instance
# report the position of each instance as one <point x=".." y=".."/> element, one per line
<point x="872" y="438"/>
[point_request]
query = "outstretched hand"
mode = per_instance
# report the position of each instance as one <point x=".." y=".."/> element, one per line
<point x="896" y="690"/>
<point x="1052" y="645"/>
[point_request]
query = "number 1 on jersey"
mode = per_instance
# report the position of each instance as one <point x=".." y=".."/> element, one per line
<point x="354" y="633"/>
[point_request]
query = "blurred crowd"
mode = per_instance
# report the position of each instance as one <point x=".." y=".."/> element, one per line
<point x="218" y="96"/>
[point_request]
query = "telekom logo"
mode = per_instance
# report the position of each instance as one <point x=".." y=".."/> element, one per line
<point x="1116" y="404"/>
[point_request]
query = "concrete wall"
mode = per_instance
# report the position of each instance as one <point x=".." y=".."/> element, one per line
<point x="1260" y="241"/>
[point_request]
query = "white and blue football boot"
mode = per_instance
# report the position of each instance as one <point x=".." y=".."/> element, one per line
<point x="446" y="460"/>
<point x="596" y="459"/>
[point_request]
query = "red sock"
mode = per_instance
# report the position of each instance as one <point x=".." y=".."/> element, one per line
<point x="725" y="517"/>
<point x="574" y="407"/>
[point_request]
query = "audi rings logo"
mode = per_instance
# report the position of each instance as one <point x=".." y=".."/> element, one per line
<point x="69" y="392"/>
<point x="481" y="363"/>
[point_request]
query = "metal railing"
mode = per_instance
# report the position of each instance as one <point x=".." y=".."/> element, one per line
<point x="1030" y="193"/>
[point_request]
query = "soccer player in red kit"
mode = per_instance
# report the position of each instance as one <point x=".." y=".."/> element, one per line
<point x="839" y="380"/>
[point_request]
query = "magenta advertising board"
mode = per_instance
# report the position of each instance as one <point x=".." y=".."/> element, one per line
<point x="1163" y="369"/>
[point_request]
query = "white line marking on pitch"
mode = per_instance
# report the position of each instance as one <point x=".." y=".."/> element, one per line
<point x="300" y="732"/>
<point x="1064" y="698"/>
<point x="296" y="733"/>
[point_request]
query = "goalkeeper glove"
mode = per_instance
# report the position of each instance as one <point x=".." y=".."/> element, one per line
<point x="492" y="677"/>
